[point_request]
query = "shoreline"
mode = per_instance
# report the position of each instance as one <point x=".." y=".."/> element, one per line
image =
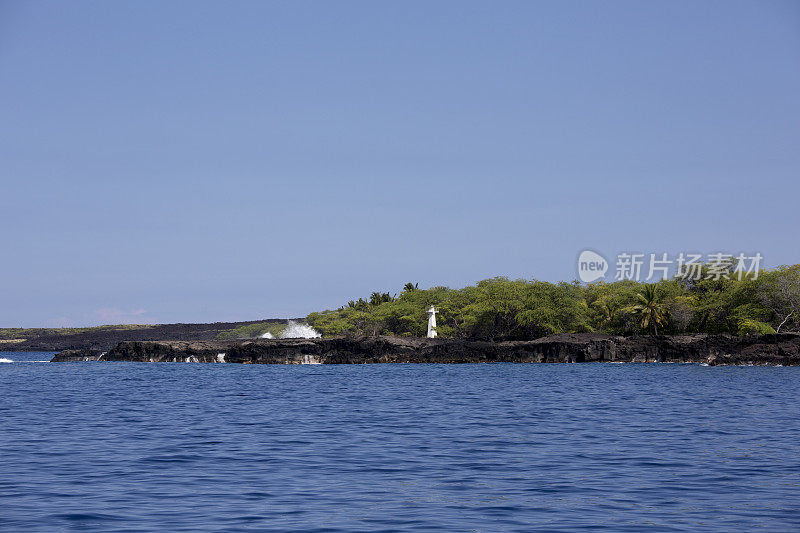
<point x="104" y="338"/>
<point x="773" y="349"/>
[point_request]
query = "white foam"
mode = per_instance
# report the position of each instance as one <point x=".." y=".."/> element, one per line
<point x="299" y="331"/>
<point x="221" y="357"/>
<point x="267" y="335"/>
<point x="4" y="360"/>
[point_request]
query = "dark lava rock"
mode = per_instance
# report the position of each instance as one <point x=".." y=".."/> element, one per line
<point x="65" y="356"/>
<point x="782" y="349"/>
<point x="104" y="338"/>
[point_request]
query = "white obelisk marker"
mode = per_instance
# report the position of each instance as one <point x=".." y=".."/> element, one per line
<point x="432" y="322"/>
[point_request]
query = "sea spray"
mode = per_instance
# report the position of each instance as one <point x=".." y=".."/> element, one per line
<point x="299" y="331"/>
<point x="4" y="360"/>
<point x="267" y="335"/>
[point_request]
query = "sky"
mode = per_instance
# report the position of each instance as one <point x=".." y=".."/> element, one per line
<point x="166" y="161"/>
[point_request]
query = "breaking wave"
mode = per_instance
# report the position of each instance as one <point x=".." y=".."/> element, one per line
<point x="4" y="360"/>
<point x="299" y="331"/>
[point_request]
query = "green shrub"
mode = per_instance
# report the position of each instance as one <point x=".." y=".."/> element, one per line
<point x="252" y="331"/>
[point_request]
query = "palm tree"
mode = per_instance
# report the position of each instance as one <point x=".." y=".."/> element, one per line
<point x="609" y="310"/>
<point x="650" y="310"/>
<point x="377" y="298"/>
<point x="408" y="287"/>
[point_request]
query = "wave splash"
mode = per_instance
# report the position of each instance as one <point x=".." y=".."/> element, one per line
<point x="296" y="330"/>
<point x="4" y="360"/>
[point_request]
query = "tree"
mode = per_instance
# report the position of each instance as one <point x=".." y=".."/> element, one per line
<point x="715" y="301"/>
<point x="609" y="311"/>
<point x="650" y="310"/>
<point x="554" y="308"/>
<point x="377" y="298"/>
<point x="493" y="309"/>
<point x="409" y="287"/>
<point x="779" y="291"/>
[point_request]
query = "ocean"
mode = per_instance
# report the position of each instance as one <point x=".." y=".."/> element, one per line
<point x="473" y="447"/>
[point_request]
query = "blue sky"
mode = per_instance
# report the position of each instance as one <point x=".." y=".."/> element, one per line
<point x="210" y="161"/>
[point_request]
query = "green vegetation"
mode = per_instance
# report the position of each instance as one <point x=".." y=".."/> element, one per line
<point x="21" y="334"/>
<point x="650" y="310"/>
<point x="500" y="308"/>
<point x="251" y="331"/>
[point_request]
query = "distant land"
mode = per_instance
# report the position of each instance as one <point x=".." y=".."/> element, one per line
<point x="106" y="337"/>
<point x="717" y="299"/>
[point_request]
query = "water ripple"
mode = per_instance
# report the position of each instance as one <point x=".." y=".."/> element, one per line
<point x="501" y="447"/>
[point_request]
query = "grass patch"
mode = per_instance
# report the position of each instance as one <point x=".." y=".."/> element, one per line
<point x="252" y="331"/>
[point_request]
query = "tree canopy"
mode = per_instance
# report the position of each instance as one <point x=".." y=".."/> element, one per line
<point x="501" y="308"/>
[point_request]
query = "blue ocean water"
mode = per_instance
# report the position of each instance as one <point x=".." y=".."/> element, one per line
<point x="492" y="447"/>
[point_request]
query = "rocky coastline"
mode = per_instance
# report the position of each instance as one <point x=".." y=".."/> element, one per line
<point x="777" y="349"/>
<point x="104" y="338"/>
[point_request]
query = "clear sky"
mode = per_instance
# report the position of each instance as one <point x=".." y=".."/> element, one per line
<point x="213" y="161"/>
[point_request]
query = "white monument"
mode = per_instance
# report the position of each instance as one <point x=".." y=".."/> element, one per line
<point x="432" y="322"/>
